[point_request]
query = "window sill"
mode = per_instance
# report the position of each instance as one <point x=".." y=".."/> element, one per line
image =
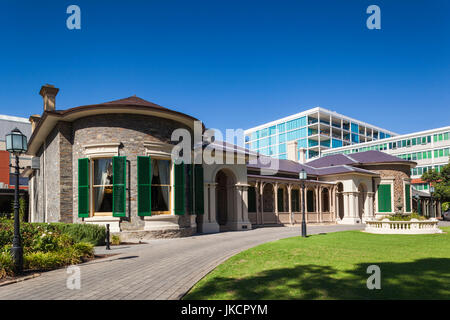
<point x="161" y="222"/>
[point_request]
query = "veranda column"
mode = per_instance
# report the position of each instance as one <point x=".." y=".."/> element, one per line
<point x="337" y="207"/>
<point x="353" y="202"/>
<point x="330" y="202"/>
<point x="316" y="190"/>
<point x="262" y="202"/>
<point x="319" y="191"/>
<point x="241" y="216"/>
<point x="257" y="200"/>
<point x="239" y="202"/>
<point x="245" y="203"/>
<point x="209" y="224"/>
<point x="348" y="211"/>
<point x="356" y="204"/>
<point x="370" y="211"/>
<point x="289" y="188"/>
<point x="275" y="188"/>
<point x="305" y="198"/>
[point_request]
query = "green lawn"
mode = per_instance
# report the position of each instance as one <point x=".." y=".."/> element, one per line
<point x="333" y="266"/>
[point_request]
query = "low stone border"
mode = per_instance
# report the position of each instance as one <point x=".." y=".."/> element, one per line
<point x="19" y="279"/>
<point x="413" y="226"/>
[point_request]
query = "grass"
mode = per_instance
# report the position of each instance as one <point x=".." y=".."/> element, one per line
<point x="333" y="266"/>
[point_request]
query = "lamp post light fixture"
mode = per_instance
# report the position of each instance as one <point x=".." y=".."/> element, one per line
<point x="16" y="143"/>
<point x="302" y="176"/>
<point x="432" y="206"/>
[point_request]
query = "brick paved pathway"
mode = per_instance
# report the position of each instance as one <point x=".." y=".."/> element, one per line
<point x="162" y="269"/>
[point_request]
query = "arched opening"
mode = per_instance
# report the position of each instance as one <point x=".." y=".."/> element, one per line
<point x="362" y="197"/>
<point x="282" y="194"/>
<point x="251" y="199"/>
<point x="295" y="199"/>
<point x="268" y="198"/>
<point x="325" y="200"/>
<point x="310" y="200"/>
<point x="340" y="200"/>
<point x="225" y="197"/>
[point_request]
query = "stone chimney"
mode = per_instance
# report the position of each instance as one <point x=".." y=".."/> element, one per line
<point x="302" y="155"/>
<point x="292" y="153"/>
<point x="34" y="120"/>
<point x="48" y="93"/>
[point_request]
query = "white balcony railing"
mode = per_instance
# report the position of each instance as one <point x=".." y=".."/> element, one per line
<point x="413" y="226"/>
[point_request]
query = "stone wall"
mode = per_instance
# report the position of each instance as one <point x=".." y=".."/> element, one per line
<point x="65" y="171"/>
<point x="400" y="173"/>
<point x="52" y="189"/>
<point x="36" y="187"/>
<point x="131" y="131"/>
<point x="51" y="177"/>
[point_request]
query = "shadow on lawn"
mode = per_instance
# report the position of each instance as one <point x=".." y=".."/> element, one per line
<point x="420" y="279"/>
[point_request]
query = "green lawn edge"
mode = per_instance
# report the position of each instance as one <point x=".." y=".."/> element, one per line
<point x="334" y="266"/>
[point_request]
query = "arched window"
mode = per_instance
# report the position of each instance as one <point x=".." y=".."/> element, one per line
<point x="268" y="198"/>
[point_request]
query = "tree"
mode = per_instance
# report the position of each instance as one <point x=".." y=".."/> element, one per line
<point x="440" y="181"/>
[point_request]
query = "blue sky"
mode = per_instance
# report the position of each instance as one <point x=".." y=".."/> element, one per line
<point x="234" y="64"/>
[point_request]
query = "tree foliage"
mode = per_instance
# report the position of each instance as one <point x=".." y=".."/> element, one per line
<point x="441" y="182"/>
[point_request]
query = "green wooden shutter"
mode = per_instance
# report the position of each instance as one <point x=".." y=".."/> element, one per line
<point x="144" y="180"/>
<point x="191" y="188"/>
<point x="179" y="186"/>
<point x="408" y="197"/>
<point x="199" y="196"/>
<point x="83" y="188"/>
<point x="384" y="198"/>
<point x="251" y="199"/>
<point x="280" y="200"/>
<point x="119" y="186"/>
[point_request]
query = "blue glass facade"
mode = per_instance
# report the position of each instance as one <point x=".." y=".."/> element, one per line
<point x="311" y="133"/>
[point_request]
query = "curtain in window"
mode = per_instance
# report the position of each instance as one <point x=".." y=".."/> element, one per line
<point x="163" y="169"/>
<point x="160" y="184"/>
<point x="101" y="178"/>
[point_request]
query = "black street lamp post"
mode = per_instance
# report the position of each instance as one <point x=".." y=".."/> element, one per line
<point x="16" y="143"/>
<point x="302" y="176"/>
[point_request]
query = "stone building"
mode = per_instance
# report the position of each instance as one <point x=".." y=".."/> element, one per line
<point x="112" y="163"/>
<point x="339" y="189"/>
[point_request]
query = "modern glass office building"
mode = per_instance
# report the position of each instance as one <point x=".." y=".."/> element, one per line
<point x="316" y="130"/>
<point x="430" y="149"/>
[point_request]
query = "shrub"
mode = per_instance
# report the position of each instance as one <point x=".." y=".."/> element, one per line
<point x="86" y="250"/>
<point x="115" y="239"/>
<point x="49" y="245"/>
<point x="56" y="259"/>
<point x="405" y="217"/>
<point x="31" y="233"/>
<point x="43" y="260"/>
<point x="46" y="242"/>
<point x="90" y="233"/>
<point x="6" y="264"/>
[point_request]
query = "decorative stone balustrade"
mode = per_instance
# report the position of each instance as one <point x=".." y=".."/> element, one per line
<point x="413" y="226"/>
